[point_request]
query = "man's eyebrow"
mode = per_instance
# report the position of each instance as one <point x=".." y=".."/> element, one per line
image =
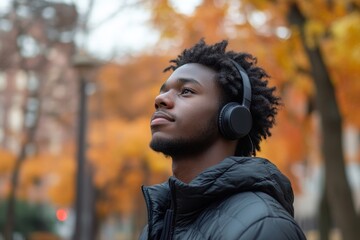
<point x="182" y="81"/>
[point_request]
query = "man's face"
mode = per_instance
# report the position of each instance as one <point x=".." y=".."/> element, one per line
<point x="185" y="120"/>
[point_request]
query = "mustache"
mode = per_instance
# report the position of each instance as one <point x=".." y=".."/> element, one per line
<point x="163" y="114"/>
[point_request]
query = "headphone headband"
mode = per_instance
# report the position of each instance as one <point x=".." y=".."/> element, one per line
<point x="246" y="85"/>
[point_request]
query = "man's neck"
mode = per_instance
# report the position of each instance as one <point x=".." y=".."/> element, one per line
<point x="187" y="168"/>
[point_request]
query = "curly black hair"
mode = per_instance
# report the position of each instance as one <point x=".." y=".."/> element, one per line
<point x="264" y="103"/>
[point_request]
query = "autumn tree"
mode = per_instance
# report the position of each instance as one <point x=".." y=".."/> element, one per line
<point x="36" y="32"/>
<point x="316" y="26"/>
<point x="342" y="208"/>
<point x="50" y="28"/>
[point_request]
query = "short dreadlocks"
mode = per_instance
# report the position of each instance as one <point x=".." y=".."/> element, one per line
<point x="264" y="104"/>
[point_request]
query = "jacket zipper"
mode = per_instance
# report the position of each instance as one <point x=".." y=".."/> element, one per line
<point x="169" y="219"/>
<point x="148" y="204"/>
<point x="167" y="229"/>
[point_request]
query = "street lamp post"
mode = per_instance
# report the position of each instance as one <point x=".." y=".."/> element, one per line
<point x="84" y="205"/>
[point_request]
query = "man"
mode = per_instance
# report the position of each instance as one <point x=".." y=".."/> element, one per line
<point x="210" y="116"/>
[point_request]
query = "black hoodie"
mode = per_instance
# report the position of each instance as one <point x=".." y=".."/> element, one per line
<point x="239" y="198"/>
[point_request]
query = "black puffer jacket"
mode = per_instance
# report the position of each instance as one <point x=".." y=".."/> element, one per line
<point x="239" y="198"/>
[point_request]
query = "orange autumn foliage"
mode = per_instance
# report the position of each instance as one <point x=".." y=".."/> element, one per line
<point x="48" y="177"/>
<point x="7" y="160"/>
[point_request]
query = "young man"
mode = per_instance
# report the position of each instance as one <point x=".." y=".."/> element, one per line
<point x="210" y="116"/>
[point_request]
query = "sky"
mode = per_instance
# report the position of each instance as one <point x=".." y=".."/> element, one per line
<point x="128" y="31"/>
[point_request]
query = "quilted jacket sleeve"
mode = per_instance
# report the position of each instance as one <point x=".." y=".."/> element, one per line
<point x="270" y="228"/>
<point x="257" y="216"/>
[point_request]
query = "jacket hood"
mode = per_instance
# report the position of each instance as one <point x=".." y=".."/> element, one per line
<point x="232" y="175"/>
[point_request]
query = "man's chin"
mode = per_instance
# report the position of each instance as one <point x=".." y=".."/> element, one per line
<point x="169" y="148"/>
<point x="158" y="145"/>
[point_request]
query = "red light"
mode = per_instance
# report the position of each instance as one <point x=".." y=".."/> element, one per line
<point x="61" y="214"/>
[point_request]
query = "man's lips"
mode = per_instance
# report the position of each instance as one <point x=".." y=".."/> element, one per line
<point x="160" y="117"/>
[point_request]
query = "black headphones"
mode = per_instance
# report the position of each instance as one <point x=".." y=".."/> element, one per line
<point x="235" y="119"/>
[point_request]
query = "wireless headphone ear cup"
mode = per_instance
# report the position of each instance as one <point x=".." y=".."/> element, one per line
<point x="235" y="121"/>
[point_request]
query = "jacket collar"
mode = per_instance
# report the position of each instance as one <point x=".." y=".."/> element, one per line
<point x="231" y="176"/>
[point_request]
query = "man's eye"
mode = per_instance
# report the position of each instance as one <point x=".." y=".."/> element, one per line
<point x="186" y="91"/>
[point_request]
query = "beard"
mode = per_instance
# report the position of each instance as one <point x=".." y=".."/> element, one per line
<point x="202" y="139"/>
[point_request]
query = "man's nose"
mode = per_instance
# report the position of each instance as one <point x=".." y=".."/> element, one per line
<point x="164" y="100"/>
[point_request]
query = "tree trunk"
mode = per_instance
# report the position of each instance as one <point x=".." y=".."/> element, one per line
<point x="28" y="139"/>
<point x="337" y="188"/>
<point x="324" y="219"/>
<point x="10" y="209"/>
